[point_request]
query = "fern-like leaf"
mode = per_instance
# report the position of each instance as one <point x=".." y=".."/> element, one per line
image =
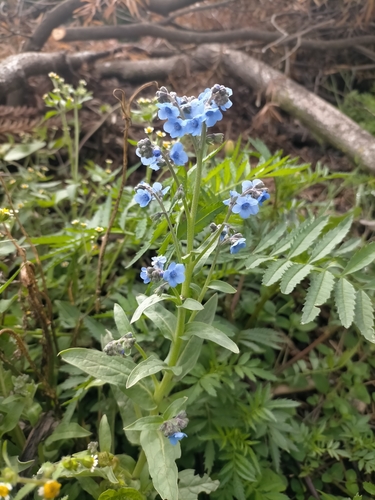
<point x="271" y="239"/>
<point x="361" y="259"/>
<point x="284" y="243"/>
<point x="345" y="301"/>
<point x="275" y="271"/>
<point x="318" y="293"/>
<point x="330" y="240"/>
<point x="255" y="261"/>
<point x="306" y="237"/>
<point x="364" y="316"/>
<point x="293" y="276"/>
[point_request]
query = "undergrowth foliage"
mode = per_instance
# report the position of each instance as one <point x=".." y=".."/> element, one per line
<point x="185" y="380"/>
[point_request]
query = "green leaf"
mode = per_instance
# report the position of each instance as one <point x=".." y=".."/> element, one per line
<point x="113" y="370"/>
<point x="293" y="276"/>
<point x="66" y="431"/>
<point x="163" y="319"/>
<point x="189" y="356"/>
<point x="13" y="411"/>
<point x="122" y="494"/>
<point x="345" y="301"/>
<point x="10" y="280"/>
<point x="161" y="459"/>
<point x="208" y="332"/>
<point x="318" y="293"/>
<point x="255" y="261"/>
<point x="149" y="301"/>
<point x="369" y="487"/>
<point x="151" y="422"/>
<point x="364" y="315"/>
<point x="174" y="408"/>
<point x="190" y="485"/>
<point x="25" y="490"/>
<point x="209" y="310"/>
<point x="361" y="259"/>
<point x="330" y="240"/>
<point x="192" y="305"/>
<point x="121" y="320"/>
<point x="273" y="237"/>
<point x="22" y="150"/>
<point x="307" y="236"/>
<point x="221" y="286"/>
<point x="105" y="435"/>
<point x="144" y="369"/>
<point x="275" y="271"/>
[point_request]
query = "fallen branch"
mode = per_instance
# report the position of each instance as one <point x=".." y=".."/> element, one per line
<point x="14" y="70"/>
<point x="134" y="31"/>
<point x="323" y="119"/>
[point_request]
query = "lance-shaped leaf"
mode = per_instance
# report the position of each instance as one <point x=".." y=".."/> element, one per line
<point x="345" y="301"/>
<point x="221" y="286"/>
<point x="364" y="315"/>
<point x="208" y="332"/>
<point x="293" y="276"/>
<point x="114" y="370"/>
<point x="144" y="369"/>
<point x="275" y="271"/>
<point x="190" y="485"/>
<point x="161" y="459"/>
<point x="318" y="293"/>
<point x="330" y="240"/>
<point x="163" y="319"/>
<point x="121" y="320"/>
<point x="151" y="422"/>
<point x="361" y="259"/>
<point x="149" y="301"/>
<point x="174" y="408"/>
<point x="307" y="236"/>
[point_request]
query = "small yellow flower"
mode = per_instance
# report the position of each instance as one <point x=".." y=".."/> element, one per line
<point x="149" y="130"/>
<point x="83" y="224"/>
<point x="99" y="229"/>
<point x="84" y="181"/>
<point x="30" y="170"/>
<point x="5" y="489"/>
<point x="12" y="181"/>
<point x="108" y="171"/>
<point x="166" y="144"/>
<point x="5" y="214"/>
<point x="24" y="186"/>
<point x="20" y="205"/>
<point x="44" y="169"/>
<point x="159" y="133"/>
<point x="75" y="222"/>
<point x="109" y="161"/>
<point x="41" y="191"/>
<point x="52" y="75"/>
<point x="65" y="264"/>
<point x="50" y="490"/>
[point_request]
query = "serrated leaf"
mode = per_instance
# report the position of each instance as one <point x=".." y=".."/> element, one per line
<point x="345" y="301"/>
<point x="318" y="293"/>
<point x="364" y="316"/>
<point x="330" y="240"/>
<point x="161" y="459"/>
<point x="307" y="236"/>
<point x="293" y="276"/>
<point x="208" y="332"/>
<point x="284" y="244"/>
<point x="271" y="239"/>
<point x="361" y="259"/>
<point x="221" y="286"/>
<point x="255" y="261"/>
<point x="275" y="271"/>
<point x="144" y="369"/>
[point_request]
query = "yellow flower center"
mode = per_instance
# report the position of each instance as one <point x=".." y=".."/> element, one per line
<point x="51" y="489"/>
<point x="4" y="491"/>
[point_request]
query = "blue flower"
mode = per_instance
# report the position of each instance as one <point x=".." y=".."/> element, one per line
<point x="213" y="116"/>
<point x="263" y="197"/>
<point x="144" y="275"/>
<point x="245" y="206"/>
<point x="203" y="96"/>
<point x="158" y="189"/>
<point x="178" y="155"/>
<point x="194" y="126"/>
<point x="142" y="197"/>
<point x="175" y="274"/>
<point x="233" y="194"/>
<point x="176" y="437"/>
<point x="175" y="128"/>
<point x="224" y="233"/>
<point x="192" y="109"/>
<point x="167" y="110"/>
<point x="237" y="245"/>
<point x="158" y="262"/>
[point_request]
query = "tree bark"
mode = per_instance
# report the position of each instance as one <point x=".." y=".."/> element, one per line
<point x="134" y="31"/>
<point x="14" y="70"/>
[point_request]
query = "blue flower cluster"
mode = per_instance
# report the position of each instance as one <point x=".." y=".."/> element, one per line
<point x="186" y="115"/>
<point x="237" y="241"/>
<point x="145" y="193"/>
<point x="254" y="193"/>
<point x="152" y="156"/>
<point x="174" y="274"/>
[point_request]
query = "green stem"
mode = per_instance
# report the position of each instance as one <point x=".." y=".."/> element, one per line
<point x="76" y="146"/>
<point x="175" y="178"/>
<point x="174" y="236"/>
<point x="139" y="465"/>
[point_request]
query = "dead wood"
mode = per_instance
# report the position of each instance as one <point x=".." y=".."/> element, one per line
<point x="134" y="31"/>
<point x="14" y="70"/>
<point x="321" y="118"/>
